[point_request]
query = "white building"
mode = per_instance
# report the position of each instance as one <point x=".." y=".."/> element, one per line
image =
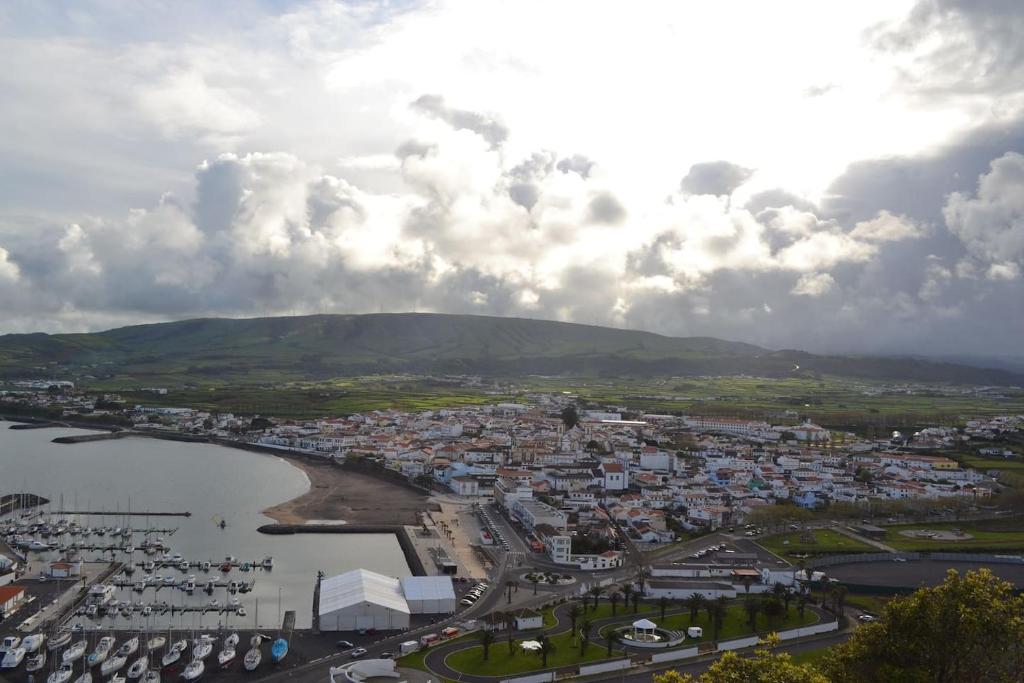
<point x="362" y="599"/>
<point x="429" y="594"/>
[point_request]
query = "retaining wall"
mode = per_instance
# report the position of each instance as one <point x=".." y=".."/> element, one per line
<point x="809" y="630"/>
<point x="536" y="678"/>
<point x="738" y="644"/>
<point x="617" y="665"/>
<point x="675" y="654"/>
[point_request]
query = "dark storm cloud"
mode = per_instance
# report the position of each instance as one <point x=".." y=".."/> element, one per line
<point x="714" y="177"/>
<point x="484" y="125"/>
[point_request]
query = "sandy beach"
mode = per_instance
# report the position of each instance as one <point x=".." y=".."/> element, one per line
<point x="337" y="494"/>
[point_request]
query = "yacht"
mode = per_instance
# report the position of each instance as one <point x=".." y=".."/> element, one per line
<point x="129" y="648"/>
<point x="86" y="677"/>
<point x="152" y="676"/>
<point x="202" y="649"/>
<point x="225" y="656"/>
<point x="59" y="640"/>
<point x="36" y="662"/>
<point x="116" y="678"/>
<point x="252" y="658"/>
<point x="61" y="675"/>
<point x="103" y="648"/>
<point x="268" y="562"/>
<point x="13" y="658"/>
<point x="174" y="654"/>
<point x="155" y="643"/>
<point x="231" y="641"/>
<point x="74" y="653"/>
<point x="138" y="667"/>
<point x="113" y="664"/>
<point x="194" y="670"/>
<point x="9" y="643"/>
<point x="33" y="642"/>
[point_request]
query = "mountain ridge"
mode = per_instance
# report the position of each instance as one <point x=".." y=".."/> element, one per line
<point x="336" y="345"/>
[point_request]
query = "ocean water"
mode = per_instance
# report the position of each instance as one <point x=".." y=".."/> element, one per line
<point x="213" y="483"/>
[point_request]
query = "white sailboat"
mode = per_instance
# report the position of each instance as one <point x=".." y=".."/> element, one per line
<point x="202" y="649"/>
<point x="113" y="664"/>
<point x="253" y="658"/>
<point x="61" y="675"/>
<point x="225" y="656"/>
<point x="194" y="670"/>
<point x="74" y="653"/>
<point x="36" y="662"/>
<point x="152" y="676"/>
<point x="155" y="643"/>
<point x="138" y="667"/>
<point x="129" y="648"/>
<point x="174" y="653"/>
<point x="86" y="677"/>
<point x="103" y="648"/>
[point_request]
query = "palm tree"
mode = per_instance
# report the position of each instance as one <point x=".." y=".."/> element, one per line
<point x="534" y="579"/>
<point x="746" y="584"/>
<point x="801" y="604"/>
<point x="641" y="578"/>
<point x="636" y="602"/>
<point x="585" y="635"/>
<point x="596" y="592"/>
<point x="612" y="637"/>
<point x="839" y="597"/>
<point x="787" y="597"/>
<point x="508" y="591"/>
<point x="718" y="611"/>
<point x="546" y="648"/>
<point x="627" y="594"/>
<point x="752" y="608"/>
<point x="574" y="614"/>
<point x="614" y="599"/>
<point x="695" y="602"/>
<point x="773" y="609"/>
<point x="662" y="606"/>
<point x="486" y="638"/>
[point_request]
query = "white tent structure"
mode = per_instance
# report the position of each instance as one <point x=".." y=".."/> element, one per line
<point x="362" y="599"/>
<point x="429" y="594"/>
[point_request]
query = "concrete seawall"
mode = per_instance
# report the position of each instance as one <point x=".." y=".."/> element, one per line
<point x="404" y="542"/>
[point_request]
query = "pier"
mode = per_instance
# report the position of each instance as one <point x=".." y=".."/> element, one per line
<point x="119" y="513"/>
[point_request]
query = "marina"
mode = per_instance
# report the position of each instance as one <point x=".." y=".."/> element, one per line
<point x="225" y="491"/>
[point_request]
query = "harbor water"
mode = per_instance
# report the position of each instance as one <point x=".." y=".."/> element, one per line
<point x="215" y="484"/>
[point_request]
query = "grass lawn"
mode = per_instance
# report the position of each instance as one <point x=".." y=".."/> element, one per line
<point x="811" y="657"/>
<point x="993" y="534"/>
<point x="567" y="650"/>
<point x="826" y="542"/>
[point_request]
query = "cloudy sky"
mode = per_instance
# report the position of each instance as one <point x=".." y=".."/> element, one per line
<point x="826" y="176"/>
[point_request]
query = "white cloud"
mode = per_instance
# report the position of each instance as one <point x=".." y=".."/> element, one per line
<point x="813" y="284"/>
<point x="991" y="223"/>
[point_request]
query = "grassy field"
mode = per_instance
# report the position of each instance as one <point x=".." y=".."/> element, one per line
<point x="826" y="542"/>
<point x="833" y="402"/>
<point x="567" y="648"/>
<point x="812" y="657"/>
<point x="986" y="535"/>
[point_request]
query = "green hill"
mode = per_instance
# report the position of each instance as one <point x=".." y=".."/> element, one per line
<point x="322" y="346"/>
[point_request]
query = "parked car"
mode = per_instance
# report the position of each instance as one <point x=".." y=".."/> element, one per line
<point x="866" y="618"/>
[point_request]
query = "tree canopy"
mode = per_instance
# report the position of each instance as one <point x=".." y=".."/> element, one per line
<point x="764" y="667"/>
<point x="968" y="629"/>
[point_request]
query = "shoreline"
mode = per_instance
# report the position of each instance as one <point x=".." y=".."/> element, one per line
<point x="336" y="492"/>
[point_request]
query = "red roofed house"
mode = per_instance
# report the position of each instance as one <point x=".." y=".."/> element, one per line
<point x="10" y="599"/>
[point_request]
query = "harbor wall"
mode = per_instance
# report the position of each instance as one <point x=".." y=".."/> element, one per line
<point x="404" y="542"/>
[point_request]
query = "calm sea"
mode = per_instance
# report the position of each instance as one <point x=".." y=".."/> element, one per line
<point x="212" y="482"/>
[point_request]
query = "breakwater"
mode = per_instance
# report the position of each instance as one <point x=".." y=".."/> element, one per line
<point x="400" y="532"/>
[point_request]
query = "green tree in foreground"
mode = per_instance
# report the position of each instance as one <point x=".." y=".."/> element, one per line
<point x="968" y="629"/>
<point x="764" y="667"/>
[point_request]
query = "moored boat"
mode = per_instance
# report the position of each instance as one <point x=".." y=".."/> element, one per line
<point x="225" y="656"/>
<point x="252" y="658"/>
<point x="194" y="670"/>
<point x="113" y="664"/>
<point x="36" y="662"/>
<point x="74" y="653"/>
<point x="61" y="675"/>
<point x="279" y="650"/>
